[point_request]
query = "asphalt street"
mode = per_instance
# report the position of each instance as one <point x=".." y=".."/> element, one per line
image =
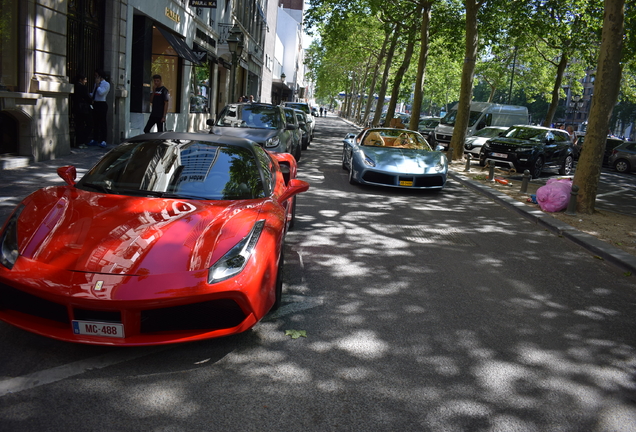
<point x="423" y="311"/>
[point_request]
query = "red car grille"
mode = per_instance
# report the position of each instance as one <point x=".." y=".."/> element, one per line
<point x="209" y="315"/>
<point x="19" y="301"/>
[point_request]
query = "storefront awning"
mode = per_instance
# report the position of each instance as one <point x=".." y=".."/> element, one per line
<point x="179" y="45"/>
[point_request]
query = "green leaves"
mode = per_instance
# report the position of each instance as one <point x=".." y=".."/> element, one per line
<point x="295" y="334"/>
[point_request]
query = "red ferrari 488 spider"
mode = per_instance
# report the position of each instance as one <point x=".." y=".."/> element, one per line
<point x="171" y="237"/>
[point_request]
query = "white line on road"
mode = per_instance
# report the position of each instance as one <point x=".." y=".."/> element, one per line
<point x="48" y="376"/>
<point x="36" y="379"/>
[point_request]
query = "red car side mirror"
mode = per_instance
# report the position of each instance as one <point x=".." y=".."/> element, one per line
<point x="68" y="174"/>
<point x="294" y="187"/>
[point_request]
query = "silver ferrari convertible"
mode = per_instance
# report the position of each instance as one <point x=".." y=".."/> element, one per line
<point x="394" y="158"/>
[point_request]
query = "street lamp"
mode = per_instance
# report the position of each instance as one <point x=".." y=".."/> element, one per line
<point x="576" y="105"/>
<point x="235" y="46"/>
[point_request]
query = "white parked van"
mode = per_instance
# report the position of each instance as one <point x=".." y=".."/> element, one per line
<point x="482" y="114"/>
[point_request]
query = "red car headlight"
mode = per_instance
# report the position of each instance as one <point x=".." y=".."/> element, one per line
<point x="235" y="260"/>
<point x="9" y="240"/>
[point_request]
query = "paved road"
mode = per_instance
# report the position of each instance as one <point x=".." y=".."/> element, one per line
<point x="423" y="311"/>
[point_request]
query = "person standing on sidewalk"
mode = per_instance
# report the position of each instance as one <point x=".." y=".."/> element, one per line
<point x="159" y="99"/>
<point x="82" y="111"/>
<point x="100" y="109"/>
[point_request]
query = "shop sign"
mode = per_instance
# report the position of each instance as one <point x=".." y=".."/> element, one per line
<point x="203" y="3"/>
<point x="200" y="53"/>
<point x="174" y="16"/>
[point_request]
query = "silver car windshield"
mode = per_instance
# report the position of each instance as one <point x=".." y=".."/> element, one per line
<point x="395" y="138"/>
<point x="249" y="116"/>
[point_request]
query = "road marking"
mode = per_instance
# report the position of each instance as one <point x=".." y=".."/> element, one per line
<point x="48" y="376"/>
<point x="613" y="192"/>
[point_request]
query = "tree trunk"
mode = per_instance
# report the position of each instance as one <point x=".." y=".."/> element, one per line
<point x="362" y="88"/>
<point x="374" y="79"/>
<point x="350" y="97"/>
<point x="563" y="63"/>
<point x="466" y="89"/>
<point x="385" y="80"/>
<point x="399" y="75"/>
<point x="606" y="89"/>
<point x="421" y="66"/>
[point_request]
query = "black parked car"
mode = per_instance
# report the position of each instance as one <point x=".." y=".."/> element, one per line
<point x="291" y="119"/>
<point x="303" y="124"/>
<point x="610" y="144"/>
<point x="259" y="122"/>
<point x="531" y="148"/>
<point x="307" y="110"/>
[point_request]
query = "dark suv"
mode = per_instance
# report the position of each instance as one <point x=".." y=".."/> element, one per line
<point x="531" y="148"/>
<point x="259" y="122"/>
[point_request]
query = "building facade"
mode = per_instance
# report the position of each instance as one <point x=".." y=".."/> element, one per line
<point x="47" y="44"/>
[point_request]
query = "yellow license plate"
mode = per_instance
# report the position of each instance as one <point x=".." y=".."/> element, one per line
<point x="406" y="183"/>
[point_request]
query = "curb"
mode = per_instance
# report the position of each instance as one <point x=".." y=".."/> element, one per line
<point x="598" y="248"/>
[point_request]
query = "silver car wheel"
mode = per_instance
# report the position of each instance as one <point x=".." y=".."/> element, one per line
<point x="622" y="166"/>
<point x="566" y="168"/>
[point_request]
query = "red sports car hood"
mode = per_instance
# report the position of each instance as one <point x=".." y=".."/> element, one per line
<point x="91" y="232"/>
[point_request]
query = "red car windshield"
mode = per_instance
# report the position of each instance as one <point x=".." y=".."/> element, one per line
<point x="177" y="169"/>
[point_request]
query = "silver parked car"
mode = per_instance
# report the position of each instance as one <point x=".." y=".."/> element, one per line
<point x="623" y="157"/>
<point x="473" y="143"/>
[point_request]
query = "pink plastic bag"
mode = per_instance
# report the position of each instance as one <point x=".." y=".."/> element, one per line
<point x="555" y="195"/>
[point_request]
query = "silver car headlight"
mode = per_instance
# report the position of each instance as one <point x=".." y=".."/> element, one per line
<point x="368" y="161"/>
<point x="233" y="262"/>
<point x="272" y="142"/>
<point x="440" y="166"/>
<point x="9" y="240"/>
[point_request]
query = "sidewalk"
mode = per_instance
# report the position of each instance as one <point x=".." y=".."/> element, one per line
<point x="593" y="245"/>
<point x="17" y="183"/>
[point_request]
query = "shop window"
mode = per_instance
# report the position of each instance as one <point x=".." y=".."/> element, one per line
<point x="200" y="89"/>
<point x="9" y="45"/>
<point x="166" y="62"/>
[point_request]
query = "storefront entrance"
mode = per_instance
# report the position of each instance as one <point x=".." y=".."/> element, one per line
<point x="84" y="45"/>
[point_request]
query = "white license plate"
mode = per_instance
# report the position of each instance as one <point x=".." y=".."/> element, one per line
<point x="500" y="155"/>
<point x="93" y="328"/>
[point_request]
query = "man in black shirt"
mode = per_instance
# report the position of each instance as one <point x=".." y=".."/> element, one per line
<point x="159" y="99"/>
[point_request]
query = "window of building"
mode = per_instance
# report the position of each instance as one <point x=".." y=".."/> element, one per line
<point x="200" y="89"/>
<point x="9" y="45"/>
<point x="167" y="63"/>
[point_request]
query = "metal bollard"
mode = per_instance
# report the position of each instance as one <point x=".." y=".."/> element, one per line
<point x="571" y="210"/>
<point x="449" y="155"/>
<point x="525" y="181"/>
<point x="491" y="171"/>
<point x="468" y="157"/>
